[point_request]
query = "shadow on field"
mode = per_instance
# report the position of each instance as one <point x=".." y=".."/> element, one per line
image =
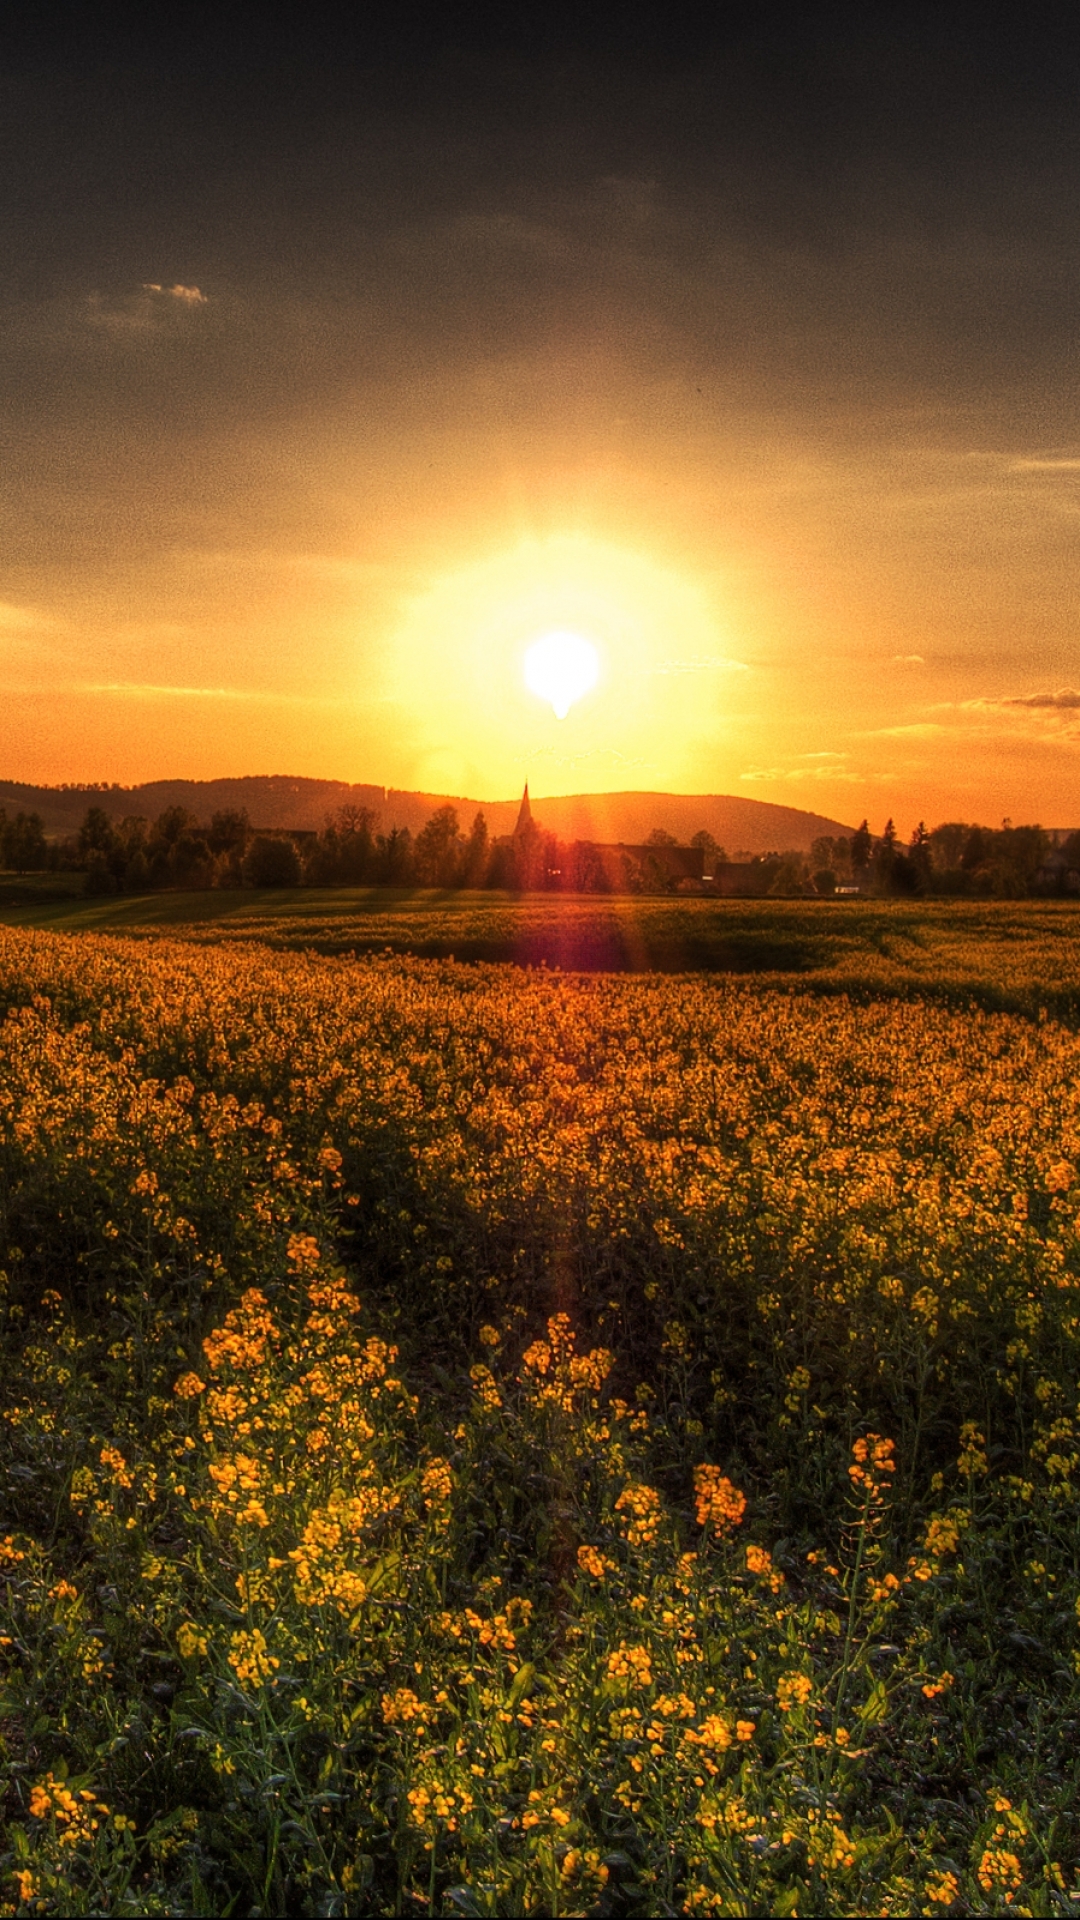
<point x="627" y="948"/>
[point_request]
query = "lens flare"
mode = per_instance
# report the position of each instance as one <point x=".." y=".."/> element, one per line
<point x="559" y="668"/>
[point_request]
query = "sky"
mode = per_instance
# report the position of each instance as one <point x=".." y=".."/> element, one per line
<point x="335" y="371"/>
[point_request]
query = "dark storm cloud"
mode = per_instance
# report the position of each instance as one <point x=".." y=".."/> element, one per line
<point x="846" y="213"/>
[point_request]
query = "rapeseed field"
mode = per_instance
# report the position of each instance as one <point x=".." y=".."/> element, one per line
<point x="486" y="1441"/>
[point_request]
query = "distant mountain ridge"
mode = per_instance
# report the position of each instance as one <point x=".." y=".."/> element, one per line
<point x="279" y="800"/>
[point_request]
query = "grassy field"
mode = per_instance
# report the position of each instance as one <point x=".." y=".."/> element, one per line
<point x="1016" y="956"/>
<point x="488" y="1441"/>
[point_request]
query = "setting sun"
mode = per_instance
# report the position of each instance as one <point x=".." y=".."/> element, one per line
<point x="561" y="667"/>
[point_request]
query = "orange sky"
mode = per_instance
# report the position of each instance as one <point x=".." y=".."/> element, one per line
<point x="313" y="424"/>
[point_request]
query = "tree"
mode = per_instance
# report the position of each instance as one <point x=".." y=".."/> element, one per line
<point x="862" y="846"/>
<point x="24" y="843"/>
<point x="477" y="854"/>
<point x="920" y="856"/>
<point x="344" y="854"/>
<point x="137" y="873"/>
<point x="96" y="833"/>
<point x="714" y="854"/>
<point x="229" y="830"/>
<point x="975" y="851"/>
<point x="438" y="849"/>
<point x="885" y="857"/>
<point x="353" y="818"/>
<point x="660" y="837"/>
<point x="832" y="854"/>
<point x="584" y="869"/>
<point x="394" y="865"/>
<point x="789" y="875"/>
<point x="272" y="862"/>
<point x="172" y="823"/>
<point x="191" y="863"/>
<point x="98" y="880"/>
<point x="529" y="859"/>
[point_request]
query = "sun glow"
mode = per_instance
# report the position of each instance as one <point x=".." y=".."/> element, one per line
<point x="482" y="668"/>
<point x="561" y="667"/>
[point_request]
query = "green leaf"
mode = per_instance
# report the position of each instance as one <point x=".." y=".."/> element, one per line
<point x="788" y="1902"/>
<point x="522" y="1682"/>
<point x="876" y="1706"/>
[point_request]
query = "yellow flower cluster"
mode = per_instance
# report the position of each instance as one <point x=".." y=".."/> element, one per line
<point x="943" y="1889"/>
<point x="719" y="1504"/>
<point x="77" y="1815"/>
<point x="403" y="1706"/>
<point x="641" y="1511"/>
<point x="436" y="1483"/>
<point x="591" y="1562"/>
<point x="999" y="1868"/>
<point x="972" y="1458"/>
<point x="434" y="1803"/>
<point x="242" y="1344"/>
<point x="250" y="1658"/>
<point x="759" y="1562"/>
<point x="559" y="1376"/>
<point x="793" y="1690"/>
<point x="828" y="1846"/>
<point x="871" y="1461"/>
<point x="632" y="1665"/>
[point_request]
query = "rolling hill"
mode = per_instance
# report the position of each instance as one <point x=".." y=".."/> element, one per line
<point x="277" y="800"/>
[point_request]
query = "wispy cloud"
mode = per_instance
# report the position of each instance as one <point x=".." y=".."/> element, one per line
<point x="270" y="560"/>
<point x="1015" y="705"/>
<point x="702" y="663"/>
<point x="908" y="660"/>
<point x="147" y="690"/>
<point x="1038" y="720"/>
<point x="15" y="619"/>
<point x="1070" y="465"/>
<point x="829" y="770"/>
<point x="144" y="311"/>
<point x="1066" y="699"/>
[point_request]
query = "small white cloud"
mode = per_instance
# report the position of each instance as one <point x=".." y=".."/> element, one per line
<point x="908" y="660"/>
<point x="187" y="296"/>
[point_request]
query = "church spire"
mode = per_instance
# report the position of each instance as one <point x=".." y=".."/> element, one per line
<point x="524" y="819"/>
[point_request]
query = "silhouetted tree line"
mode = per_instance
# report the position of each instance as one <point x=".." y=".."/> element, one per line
<point x="1004" y="863"/>
<point x="351" y="852"/>
<point x="178" y="851"/>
